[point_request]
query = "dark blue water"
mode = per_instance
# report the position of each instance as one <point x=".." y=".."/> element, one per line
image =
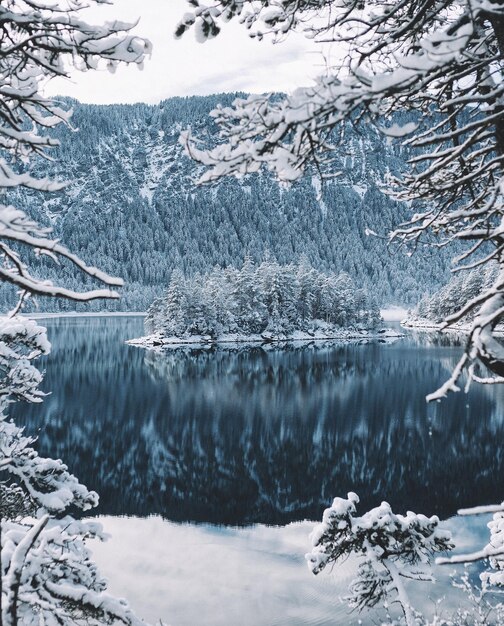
<point x="254" y="435"/>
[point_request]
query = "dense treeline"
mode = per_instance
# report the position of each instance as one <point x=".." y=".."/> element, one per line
<point x="448" y="300"/>
<point x="269" y="298"/>
<point x="132" y="208"/>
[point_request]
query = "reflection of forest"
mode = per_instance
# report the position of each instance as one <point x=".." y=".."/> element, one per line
<point x="239" y="436"/>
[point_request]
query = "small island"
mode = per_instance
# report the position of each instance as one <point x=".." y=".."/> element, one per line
<point x="264" y="303"/>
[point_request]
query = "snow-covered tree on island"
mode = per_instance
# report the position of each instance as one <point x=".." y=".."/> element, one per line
<point x="306" y="280"/>
<point x="270" y="300"/>
<point x="250" y="309"/>
<point x="427" y="74"/>
<point x="389" y="548"/>
<point x="46" y="571"/>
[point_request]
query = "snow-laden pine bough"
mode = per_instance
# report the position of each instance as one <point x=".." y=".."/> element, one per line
<point x="390" y="549"/>
<point x="47" y="572"/>
<point x="429" y="74"/>
<point x="41" y="41"/>
<point x="47" y="575"/>
<point x="493" y="551"/>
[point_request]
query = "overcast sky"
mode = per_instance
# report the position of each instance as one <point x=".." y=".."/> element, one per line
<point x="231" y="62"/>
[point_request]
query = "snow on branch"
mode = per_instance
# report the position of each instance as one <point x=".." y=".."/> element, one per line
<point x="21" y="341"/>
<point x="429" y="76"/>
<point x="47" y="481"/>
<point x="50" y="576"/>
<point x="40" y="41"/>
<point x="389" y="548"/>
<point x="16" y="227"/>
<point x="493" y="551"/>
<point x="482" y="510"/>
<point x="45" y="40"/>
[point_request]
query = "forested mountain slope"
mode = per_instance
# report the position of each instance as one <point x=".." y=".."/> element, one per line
<point x="132" y="208"/>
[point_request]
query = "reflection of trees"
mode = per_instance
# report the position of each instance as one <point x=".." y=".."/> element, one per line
<point x="254" y="435"/>
<point x="448" y="357"/>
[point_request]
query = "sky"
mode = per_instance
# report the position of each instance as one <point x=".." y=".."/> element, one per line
<point x="230" y="62"/>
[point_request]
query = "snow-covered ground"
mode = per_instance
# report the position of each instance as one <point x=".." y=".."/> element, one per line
<point x="158" y="340"/>
<point x="190" y="574"/>
<point x="462" y="327"/>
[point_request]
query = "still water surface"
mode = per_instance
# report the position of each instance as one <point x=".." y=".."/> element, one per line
<point x="244" y="440"/>
<point x="252" y="435"/>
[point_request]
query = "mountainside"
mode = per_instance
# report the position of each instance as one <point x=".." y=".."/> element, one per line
<point x="132" y="208"/>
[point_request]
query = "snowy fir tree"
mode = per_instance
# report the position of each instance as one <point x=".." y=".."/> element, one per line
<point x="270" y="300"/>
<point x="250" y="308"/>
<point x="390" y="549"/>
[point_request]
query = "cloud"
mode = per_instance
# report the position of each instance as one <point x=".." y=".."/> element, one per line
<point x="231" y="62"/>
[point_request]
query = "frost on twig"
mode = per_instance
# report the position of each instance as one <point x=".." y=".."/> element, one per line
<point x="482" y="347"/>
<point x="493" y="551"/>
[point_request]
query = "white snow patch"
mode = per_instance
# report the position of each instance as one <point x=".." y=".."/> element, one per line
<point x="458" y="327"/>
<point x="396" y="130"/>
<point x="317" y="185"/>
<point x="157" y="340"/>
<point x="159" y="160"/>
<point x="394" y="314"/>
<point x="146" y="192"/>
<point x="360" y="190"/>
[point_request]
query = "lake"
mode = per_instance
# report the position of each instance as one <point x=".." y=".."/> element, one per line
<point x="209" y="461"/>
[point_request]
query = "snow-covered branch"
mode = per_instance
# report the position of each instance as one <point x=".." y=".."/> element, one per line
<point x="428" y="75"/>
<point x="40" y="41"/>
<point x="48" y="575"/>
<point x="389" y="547"/>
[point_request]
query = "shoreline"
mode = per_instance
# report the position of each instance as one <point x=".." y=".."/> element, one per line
<point x="157" y="341"/>
<point x="429" y="326"/>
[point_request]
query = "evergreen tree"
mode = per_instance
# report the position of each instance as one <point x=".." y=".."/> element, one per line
<point x="272" y="298"/>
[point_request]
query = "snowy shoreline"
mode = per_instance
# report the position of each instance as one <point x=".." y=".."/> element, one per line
<point x="157" y="340"/>
<point x="429" y="325"/>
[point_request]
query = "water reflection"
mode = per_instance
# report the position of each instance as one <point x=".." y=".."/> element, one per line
<point x="254" y="576"/>
<point x="254" y="435"/>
